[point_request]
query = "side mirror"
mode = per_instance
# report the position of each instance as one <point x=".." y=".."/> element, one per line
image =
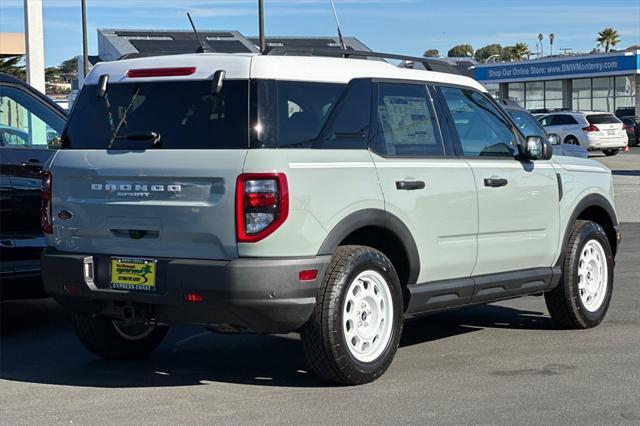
<point x="536" y="148"/>
<point x="554" y="139"/>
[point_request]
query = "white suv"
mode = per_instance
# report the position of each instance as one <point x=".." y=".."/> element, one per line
<point x="592" y="130"/>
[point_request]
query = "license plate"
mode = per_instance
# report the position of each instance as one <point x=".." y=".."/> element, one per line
<point x="133" y="274"/>
<point x="611" y="132"/>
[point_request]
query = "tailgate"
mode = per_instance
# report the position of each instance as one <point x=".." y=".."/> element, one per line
<point x="155" y="203"/>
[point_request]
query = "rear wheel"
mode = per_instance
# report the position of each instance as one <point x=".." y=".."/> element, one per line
<point x="572" y="140"/>
<point x="354" y="332"/>
<point x="610" y="152"/>
<point x="117" y="340"/>
<point x="582" y="298"/>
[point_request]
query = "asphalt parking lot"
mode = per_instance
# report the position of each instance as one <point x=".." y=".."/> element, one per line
<point x="503" y="363"/>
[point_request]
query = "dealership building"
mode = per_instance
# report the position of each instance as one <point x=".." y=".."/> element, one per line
<point x="596" y="82"/>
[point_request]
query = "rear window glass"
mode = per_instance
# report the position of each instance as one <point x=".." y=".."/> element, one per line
<point x="602" y="119"/>
<point x="182" y="114"/>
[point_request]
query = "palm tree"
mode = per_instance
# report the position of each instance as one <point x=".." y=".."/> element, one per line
<point x="540" y="38"/>
<point x="552" y="37"/>
<point x="520" y="50"/>
<point x="608" y="38"/>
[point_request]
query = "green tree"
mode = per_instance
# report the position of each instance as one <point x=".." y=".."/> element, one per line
<point x="431" y="53"/>
<point x="488" y="51"/>
<point x="520" y="50"/>
<point x="608" y="38"/>
<point x="69" y="66"/>
<point x="634" y="47"/>
<point x="13" y="65"/>
<point x="460" y="51"/>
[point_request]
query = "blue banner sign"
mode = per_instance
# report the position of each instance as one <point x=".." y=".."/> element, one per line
<point x="578" y="67"/>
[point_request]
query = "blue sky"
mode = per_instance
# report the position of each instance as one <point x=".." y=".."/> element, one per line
<point x="401" y="26"/>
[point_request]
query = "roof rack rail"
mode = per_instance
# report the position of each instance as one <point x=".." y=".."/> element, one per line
<point x="428" y="63"/>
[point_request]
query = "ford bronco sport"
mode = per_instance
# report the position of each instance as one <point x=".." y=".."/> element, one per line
<point x="332" y="196"/>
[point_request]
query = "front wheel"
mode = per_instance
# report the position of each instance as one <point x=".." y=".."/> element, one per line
<point x="117" y="340"/>
<point x="582" y="298"/>
<point x="355" y="329"/>
<point x="610" y="152"/>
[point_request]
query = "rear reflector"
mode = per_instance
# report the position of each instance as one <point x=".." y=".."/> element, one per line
<point x="160" y="72"/>
<point x="193" y="297"/>
<point x="308" y="275"/>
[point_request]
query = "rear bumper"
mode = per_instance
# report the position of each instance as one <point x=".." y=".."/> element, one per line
<point x="261" y="295"/>
<point x="596" y="143"/>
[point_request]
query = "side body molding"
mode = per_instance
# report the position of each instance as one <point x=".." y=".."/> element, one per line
<point x="376" y="218"/>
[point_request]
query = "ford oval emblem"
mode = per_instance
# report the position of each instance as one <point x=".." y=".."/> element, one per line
<point x="65" y="215"/>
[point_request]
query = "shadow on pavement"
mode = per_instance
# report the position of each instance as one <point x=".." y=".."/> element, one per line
<point x="38" y="346"/>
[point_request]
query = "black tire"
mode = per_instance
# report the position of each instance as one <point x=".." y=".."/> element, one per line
<point x="635" y="142"/>
<point x="564" y="302"/>
<point x="323" y="337"/>
<point x="610" y="152"/>
<point x="100" y="336"/>
<point x="572" y="140"/>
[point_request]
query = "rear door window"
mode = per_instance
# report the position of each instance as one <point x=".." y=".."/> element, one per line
<point x="406" y="123"/>
<point x="184" y="114"/>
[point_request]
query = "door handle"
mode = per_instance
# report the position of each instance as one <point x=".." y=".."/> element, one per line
<point x="495" y="182"/>
<point x="32" y="163"/>
<point x="409" y="185"/>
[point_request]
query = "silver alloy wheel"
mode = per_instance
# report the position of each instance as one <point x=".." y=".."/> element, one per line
<point x="132" y="331"/>
<point x="593" y="277"/>
<point x="367" y="316"/>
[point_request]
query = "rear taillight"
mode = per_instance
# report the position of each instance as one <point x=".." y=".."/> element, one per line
<point x="262" y="205"/>
<point x="628" y="127"/>
<point x="45" y="203"/>
<point x="590" y="128"/>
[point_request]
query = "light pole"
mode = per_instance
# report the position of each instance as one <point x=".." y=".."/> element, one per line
<point x="85" y="47"/>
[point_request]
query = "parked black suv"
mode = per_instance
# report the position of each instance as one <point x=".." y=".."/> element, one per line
<point x="30" y="127"/>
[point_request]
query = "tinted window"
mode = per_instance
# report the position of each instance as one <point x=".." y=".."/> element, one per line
<point x="186" y="115"/>
<point x="348" y="125"/>
<point x="526" y="123"/>
<point x="602" y="119"/>
<point x="481" y="129"/>
<point x="290" y="114"/>
<point x="26" y="122"/>
<point x="562" y="120"/>
<point x="406" y="125"/>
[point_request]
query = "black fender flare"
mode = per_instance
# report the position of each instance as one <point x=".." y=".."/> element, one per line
<point x="381" y="219"/>
<point x="590" y="200"/>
